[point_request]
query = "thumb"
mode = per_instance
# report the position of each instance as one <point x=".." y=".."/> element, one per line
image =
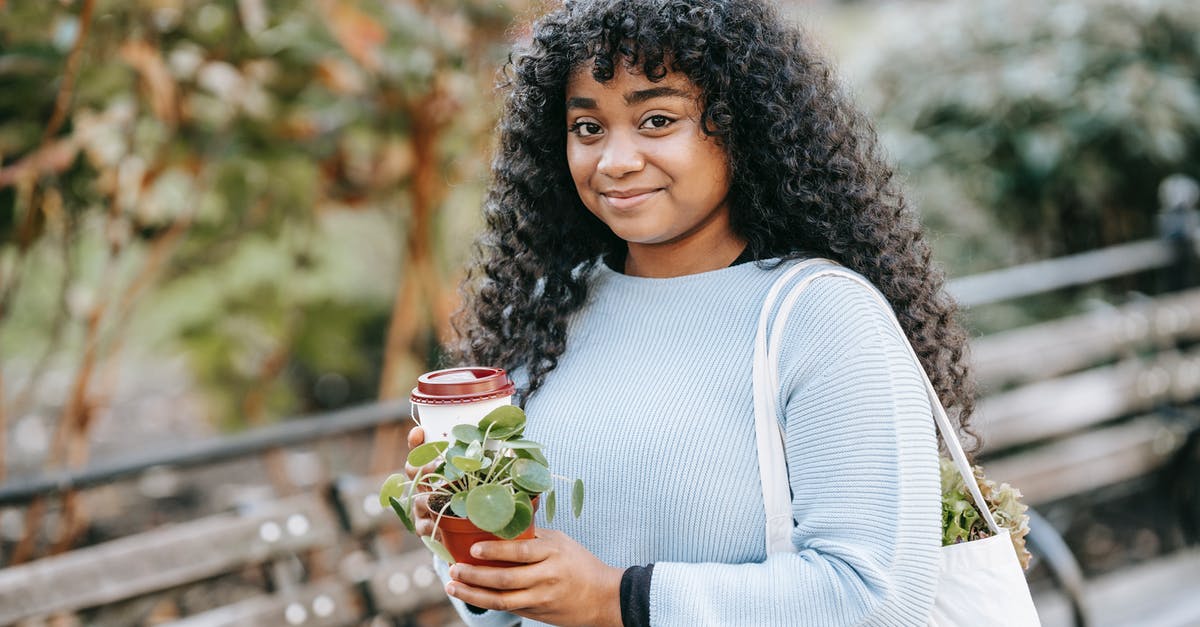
<point x="416" y="437"/>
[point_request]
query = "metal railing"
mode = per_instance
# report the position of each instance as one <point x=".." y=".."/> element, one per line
<point x="293" y="432"/>
<point x="1176" y="247"/>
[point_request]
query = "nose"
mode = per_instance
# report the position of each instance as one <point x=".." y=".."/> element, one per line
<point x="621" y="156"/>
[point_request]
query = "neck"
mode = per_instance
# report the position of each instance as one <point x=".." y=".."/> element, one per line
<point x="688" y="256"/>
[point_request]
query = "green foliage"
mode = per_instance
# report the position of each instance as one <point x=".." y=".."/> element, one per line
<point x="278" y="137"/>
<point x="482" y="477"/>
<point x="961" y="519"/>
<point x="1058" y="119"/>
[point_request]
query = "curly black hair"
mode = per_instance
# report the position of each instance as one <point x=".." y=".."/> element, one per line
<point x="807" y="178"/>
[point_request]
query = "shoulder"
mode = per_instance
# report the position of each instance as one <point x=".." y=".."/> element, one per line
<point x="828" y="318"/>
<point x="823" y="294"/>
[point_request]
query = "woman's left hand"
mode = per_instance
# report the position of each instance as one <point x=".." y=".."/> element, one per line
<point x="555" y="580"/>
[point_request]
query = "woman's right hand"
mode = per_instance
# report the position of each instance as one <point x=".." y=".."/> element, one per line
<point x="422" y="516"/>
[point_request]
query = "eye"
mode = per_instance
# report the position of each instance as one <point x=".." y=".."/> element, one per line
<point x="584" y="129"/>
<point x="657" y="122"/>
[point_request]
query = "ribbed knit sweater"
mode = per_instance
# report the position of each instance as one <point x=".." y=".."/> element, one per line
<point x="651" y="405"/>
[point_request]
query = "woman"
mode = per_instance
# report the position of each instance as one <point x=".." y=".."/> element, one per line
<point x="660" y="164"/>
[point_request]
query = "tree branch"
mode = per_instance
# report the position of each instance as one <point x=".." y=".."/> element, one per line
<point x="74" y="59"/>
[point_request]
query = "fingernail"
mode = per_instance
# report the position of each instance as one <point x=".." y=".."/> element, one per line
<point x="454" y="572"/>
<point x="476" y="551"/>
<point x="450" y="589"/>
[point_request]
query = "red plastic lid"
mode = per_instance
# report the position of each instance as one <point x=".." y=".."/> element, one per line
<point x="462" y="385"/>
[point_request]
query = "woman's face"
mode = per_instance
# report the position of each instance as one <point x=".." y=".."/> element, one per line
<point x="641" y="162"/>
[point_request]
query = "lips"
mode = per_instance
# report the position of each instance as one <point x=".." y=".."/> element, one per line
<point x="627" y="199"/>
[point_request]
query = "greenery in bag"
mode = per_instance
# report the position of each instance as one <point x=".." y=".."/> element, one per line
<point x="962" y="521"/>
<point x="489" y="475"/>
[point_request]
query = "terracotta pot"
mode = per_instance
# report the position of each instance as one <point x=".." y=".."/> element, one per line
<point x="460" y="534"/>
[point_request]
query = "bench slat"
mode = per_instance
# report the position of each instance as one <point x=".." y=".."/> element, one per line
<point x="1078" y="342"/>
<point x="405" y="583"/>
<point x="1047" y="409"/>
<point x="1082" y="463"/>
<point x="1158" y="593"/>
<point x="163" y="558"/>
<point x="358" y="500"/>
<point x="325" y="604"/>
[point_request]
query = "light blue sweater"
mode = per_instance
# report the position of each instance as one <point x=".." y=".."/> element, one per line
<point x="651" y="406"/>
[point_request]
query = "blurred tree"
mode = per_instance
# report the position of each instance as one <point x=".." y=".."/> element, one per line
<point x="279" y="188"/>
<point x="1058" y="120"/>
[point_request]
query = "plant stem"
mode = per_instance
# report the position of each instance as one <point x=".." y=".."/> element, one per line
<point x="438" y="521"/>
<point x="492" y="471"/>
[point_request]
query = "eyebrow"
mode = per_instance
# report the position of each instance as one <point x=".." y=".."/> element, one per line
<point x="631" y="98"/>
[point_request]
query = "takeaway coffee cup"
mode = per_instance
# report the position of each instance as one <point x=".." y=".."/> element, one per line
<point x="445" y="398"/>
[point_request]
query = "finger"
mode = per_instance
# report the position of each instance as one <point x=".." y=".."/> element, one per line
<point x="498" y="578"/>
<point x="422" y="509"/>
<point x="411" y="471"/>
<point x="416" y="437"/>
<point x="422" y="516"/>
<point x="519" y="551"/>
<point x="502" y="600"/>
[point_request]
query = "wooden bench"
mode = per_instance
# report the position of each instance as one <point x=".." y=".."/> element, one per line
<point x="309" y="559"/>
<point x="167" y="558"/>
<point x="1093" y="407"/>
<point x="1081" y="398"/>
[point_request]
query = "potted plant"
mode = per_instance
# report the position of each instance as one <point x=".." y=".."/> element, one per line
<point x="487" y="485"/>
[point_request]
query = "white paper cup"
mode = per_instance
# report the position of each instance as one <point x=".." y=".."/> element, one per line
<point x="446" y="398"/>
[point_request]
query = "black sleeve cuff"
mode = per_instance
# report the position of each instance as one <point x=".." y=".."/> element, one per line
<point x="635" y="596"/>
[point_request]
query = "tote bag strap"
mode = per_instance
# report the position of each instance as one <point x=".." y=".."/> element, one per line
<point x="772" y="464"/>
<point x="772" y="461"/>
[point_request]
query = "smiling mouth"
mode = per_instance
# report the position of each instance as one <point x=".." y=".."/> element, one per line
<point x="629" y="202"/>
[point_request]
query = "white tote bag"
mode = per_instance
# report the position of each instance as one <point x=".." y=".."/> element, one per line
<point x="981" y="583"/>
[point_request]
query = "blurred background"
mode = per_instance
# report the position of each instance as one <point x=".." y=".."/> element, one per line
<point x="222" y="220"/>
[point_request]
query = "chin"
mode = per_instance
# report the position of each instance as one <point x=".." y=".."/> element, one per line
<point x="632" y="236"/>
<point x="633" y="231"/>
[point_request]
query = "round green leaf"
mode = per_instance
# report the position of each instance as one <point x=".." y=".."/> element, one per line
<point x="522" y="518"/>
<point x="393" y="486"/>
<point x="522" y="444"/>
<point x="577" y="497"/>
<point x="426" y="453"/>
<point x="503" y="433"/>
<point x="532" y="453"/>
<point x="490" y="507"/>
<point x="551" y="506"/>
<point x="466" y="464"/>
<point x="438" y="549"/>
<point x="451" y="472"/>
<point x="467" y="433"/>
<point x="504" y="416"/>
<point x="531" y="476"/>
<point x="458" y="504"/>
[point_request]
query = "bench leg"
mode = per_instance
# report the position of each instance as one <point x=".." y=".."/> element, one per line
<point x="1045" y="542"/>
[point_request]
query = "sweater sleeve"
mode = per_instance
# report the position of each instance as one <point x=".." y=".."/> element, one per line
<point x="474" y="618"/>
<point x="862" y="465"/>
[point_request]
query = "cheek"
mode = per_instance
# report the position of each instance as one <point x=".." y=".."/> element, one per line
<point x="708" y="167"/>
<point x="716" y="161"/>
<point x="581" y="165"/>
